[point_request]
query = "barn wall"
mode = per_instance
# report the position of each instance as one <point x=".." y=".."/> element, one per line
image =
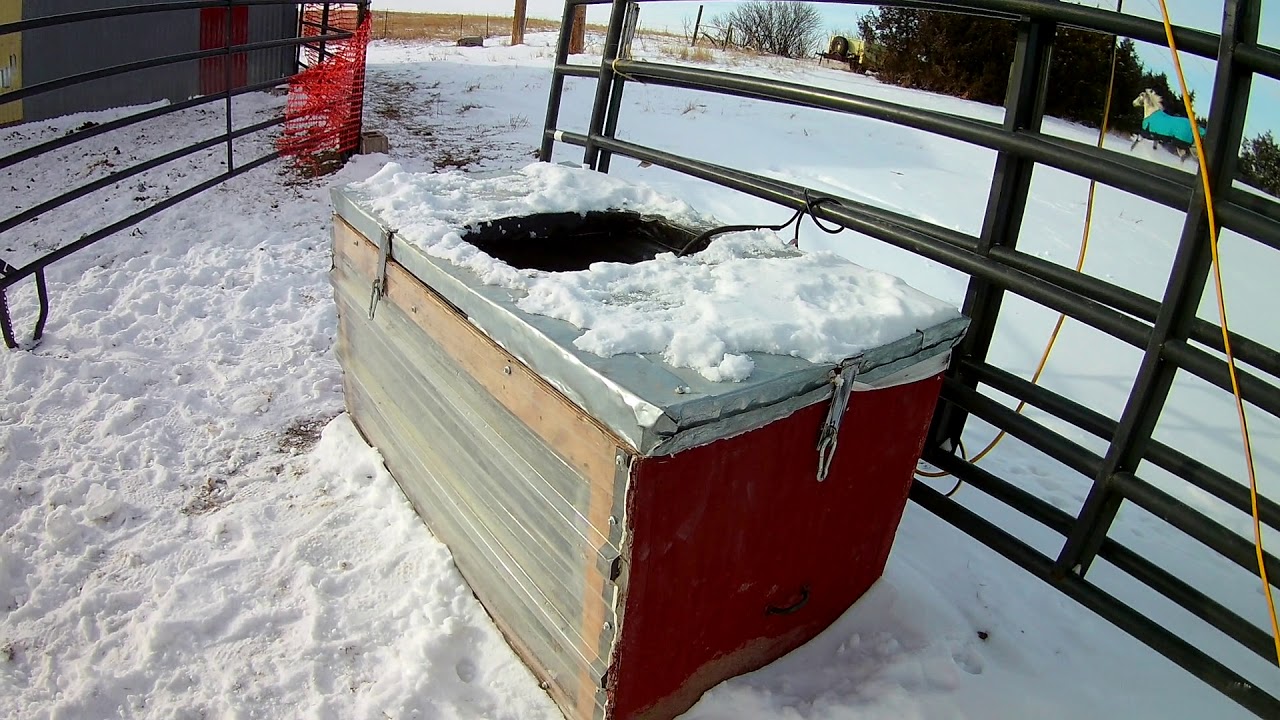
<point x="10" y="61"/>
<point x="55" y="52"/>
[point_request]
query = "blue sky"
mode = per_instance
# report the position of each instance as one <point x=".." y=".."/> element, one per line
<point x="1200" y="14"/>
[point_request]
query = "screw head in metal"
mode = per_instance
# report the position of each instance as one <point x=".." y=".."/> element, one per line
<point x="506" y="370"/>
<point x="613" y="520"/>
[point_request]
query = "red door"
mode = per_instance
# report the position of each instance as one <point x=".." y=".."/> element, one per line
<point x="213" y="35"/>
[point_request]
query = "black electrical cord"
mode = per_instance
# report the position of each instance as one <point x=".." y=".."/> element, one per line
<point x="809" y="205"/>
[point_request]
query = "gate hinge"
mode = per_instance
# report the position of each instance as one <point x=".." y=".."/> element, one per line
<point x="379" y="287"/>
<point x="843" y="382"/>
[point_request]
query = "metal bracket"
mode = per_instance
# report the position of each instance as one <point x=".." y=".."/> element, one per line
<point x="379" y="287"/>
<point x="843" y="381"/>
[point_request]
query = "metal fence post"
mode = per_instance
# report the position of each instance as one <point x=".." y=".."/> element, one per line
<point x="615" y="96"/>
<point x="227" y="81"/>
<point x="1006" y="203"/>
<point x="557" y="83"/>
<point x="604" y="86"/>
<point x="324" y="30"/>
<point x="1181" y="298"/>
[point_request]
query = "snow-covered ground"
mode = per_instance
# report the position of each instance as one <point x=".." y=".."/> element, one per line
<point x="190" y="528"/>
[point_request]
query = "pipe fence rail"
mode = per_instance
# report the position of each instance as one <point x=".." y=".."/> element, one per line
<point x="1167" y="331"/>
<point x="309" y="42"/>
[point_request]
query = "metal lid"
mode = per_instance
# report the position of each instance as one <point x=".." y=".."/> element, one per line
<point x="655" y="407"/>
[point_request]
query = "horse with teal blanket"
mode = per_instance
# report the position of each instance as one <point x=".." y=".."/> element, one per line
<point x="1162" y="128"/>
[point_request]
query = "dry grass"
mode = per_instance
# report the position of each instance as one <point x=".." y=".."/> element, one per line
<point x="441" y="26"/>
<point x="689" y="54"/>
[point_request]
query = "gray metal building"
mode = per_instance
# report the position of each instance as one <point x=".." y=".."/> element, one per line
<point x="55" y="52"/>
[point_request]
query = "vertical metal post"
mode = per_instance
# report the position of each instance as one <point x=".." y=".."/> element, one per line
<point x="696" y="25"/>
<point x="612" y="40"/>
<point x="355" y="127"/>
<point x="226" y="79"/>
<point x="324" y="30"/>
<point x="1006" y="203"/>
<point x="1182" y="295"/>
<point x="615" y="95"/>
<point x="42" y="297"/>
<point x="300" y="50"/>
<point x="557" y="83"/>
<point x="6" y="324"/>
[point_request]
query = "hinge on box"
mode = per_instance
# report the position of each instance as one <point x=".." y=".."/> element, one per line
<point x="843" y="381"/>
<point x="380" y="276"/>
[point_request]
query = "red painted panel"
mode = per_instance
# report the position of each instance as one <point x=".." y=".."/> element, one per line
<point x="739" y="555"/>
<point x="213" y="34"/>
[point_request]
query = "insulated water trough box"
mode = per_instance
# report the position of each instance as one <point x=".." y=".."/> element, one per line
<point x="638" y="531"/>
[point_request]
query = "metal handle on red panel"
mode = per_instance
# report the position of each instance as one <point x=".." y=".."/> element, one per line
<point x="843" y="382"/>
<point x="804" y="598"/>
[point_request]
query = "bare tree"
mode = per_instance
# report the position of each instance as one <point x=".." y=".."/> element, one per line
<point x="789" y="29"/>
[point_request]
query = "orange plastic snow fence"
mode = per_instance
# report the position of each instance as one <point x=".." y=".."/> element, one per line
<point x="326" y="100"/>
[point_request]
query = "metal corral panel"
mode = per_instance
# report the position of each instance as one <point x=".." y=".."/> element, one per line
<point x="636" y="544"/>
<point x="56" y="52"/>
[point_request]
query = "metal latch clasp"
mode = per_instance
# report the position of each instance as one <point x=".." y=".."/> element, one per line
<point x="843" y="381"/>
<point x="379" y="287"/>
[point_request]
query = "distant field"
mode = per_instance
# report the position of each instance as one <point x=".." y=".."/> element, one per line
<point x="451" y="26"/>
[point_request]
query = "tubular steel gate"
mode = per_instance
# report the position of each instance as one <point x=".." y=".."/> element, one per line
<point x="318" y="120"/>
<point x="1168" y="332"/>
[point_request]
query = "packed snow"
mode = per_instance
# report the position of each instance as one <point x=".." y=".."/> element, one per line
<point x="747" y="292"/>
<point x="190" y="527"/>
<point x="433" y="211"/>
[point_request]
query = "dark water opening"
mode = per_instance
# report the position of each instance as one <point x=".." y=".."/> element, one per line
<point x="557" y="242"/>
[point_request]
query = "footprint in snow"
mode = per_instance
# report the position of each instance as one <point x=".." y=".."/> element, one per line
<point x="466" y="670"/>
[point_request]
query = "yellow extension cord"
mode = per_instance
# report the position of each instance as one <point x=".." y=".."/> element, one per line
<point x="1222" y="316"/>
<point x="1057" y="326"/>
<point x="1226" y="335"/>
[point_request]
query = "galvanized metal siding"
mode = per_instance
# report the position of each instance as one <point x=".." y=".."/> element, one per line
<point x="271" y="23"/>
<point x="56" y="52"/>
<point x="514" y="513"/>
<point x="10" y="61"/>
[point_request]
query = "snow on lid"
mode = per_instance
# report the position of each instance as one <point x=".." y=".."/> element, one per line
<point x="432" y="210"/>
<point x="747" y="292"/>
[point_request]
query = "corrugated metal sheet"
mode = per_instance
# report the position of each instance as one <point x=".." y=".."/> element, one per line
<point x="10" y="61"/>
<point x="270" y="23"/>
<point x="516" y="515"/>
<point x="56" y="52"/>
